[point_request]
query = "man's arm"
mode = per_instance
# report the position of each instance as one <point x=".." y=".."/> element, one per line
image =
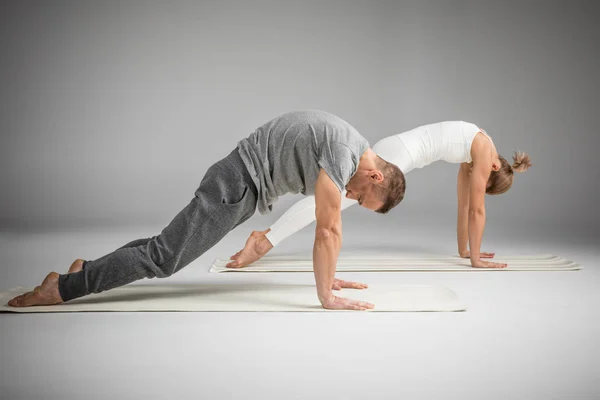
<point x="328" y="241"/>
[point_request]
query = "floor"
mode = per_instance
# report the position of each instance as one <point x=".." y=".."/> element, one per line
<point x="526" y="335"/>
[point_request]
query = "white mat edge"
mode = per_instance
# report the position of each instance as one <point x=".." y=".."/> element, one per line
<point x="455" y="306"/>
<point x="389" y="265"/>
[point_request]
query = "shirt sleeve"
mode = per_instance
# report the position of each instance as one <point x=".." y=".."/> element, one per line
<point x="339" y="162"/>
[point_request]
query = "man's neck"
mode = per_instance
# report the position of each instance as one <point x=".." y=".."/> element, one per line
<point x="367" y="160"/>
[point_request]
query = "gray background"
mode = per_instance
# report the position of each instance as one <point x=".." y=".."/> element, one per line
<point x="111" y="112"/>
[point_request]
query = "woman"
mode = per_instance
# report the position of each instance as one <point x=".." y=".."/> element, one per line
<point x="482" y="170"/>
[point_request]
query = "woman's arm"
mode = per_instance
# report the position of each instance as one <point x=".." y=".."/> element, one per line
<point x="481" y="153"/>
<point x="462" y="225"/>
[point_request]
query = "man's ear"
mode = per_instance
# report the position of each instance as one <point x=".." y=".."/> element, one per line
<point x="376" y="176"/>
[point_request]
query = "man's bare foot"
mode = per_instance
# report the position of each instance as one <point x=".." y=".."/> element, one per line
<point x="256" y="247"/>
<point x="76" y="266"/>
<point x="44" y="295"/>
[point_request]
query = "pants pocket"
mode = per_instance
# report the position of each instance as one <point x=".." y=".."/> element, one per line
<point x="240" y="201"/>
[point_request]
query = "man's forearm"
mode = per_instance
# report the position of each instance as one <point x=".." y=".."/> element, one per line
<point x="326" y="249"/>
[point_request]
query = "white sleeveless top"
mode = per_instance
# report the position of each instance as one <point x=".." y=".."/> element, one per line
<point x="448" y="141"/>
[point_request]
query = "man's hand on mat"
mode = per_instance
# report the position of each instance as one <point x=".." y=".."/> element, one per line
<point x="332" y="302"/>
<point x="467" y="254"/>
<point x="487" y="264"/>
<point x="339" y="284"/>
<point x="256" y="247"/>
<point x="44" y="295"/>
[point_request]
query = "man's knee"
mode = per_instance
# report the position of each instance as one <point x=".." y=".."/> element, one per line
<point x="162" y="260"/>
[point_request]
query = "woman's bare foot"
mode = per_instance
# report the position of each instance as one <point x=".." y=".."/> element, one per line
<point x="44" y="295"/>
<point x="256" y="247"/>
<point x="76" y="266"/>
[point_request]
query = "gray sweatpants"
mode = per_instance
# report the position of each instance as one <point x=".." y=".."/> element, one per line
<point x="226" y="197"/>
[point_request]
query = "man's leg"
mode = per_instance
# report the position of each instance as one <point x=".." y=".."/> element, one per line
<point x="80" y="263"/>
<point x="226" y="198"/>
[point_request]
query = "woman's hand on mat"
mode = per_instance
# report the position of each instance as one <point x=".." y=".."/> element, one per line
<point x="487" y="264"/>
<point x="332" y="302"/>
<point x="467" y="254"/>
<point x="256" y="247"/>
<point x="339" y="284"/>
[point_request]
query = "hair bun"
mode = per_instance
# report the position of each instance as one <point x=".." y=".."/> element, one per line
<point x="522" y="161"/>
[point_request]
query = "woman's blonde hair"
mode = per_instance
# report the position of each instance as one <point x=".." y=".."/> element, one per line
<point x="500" y="181"/>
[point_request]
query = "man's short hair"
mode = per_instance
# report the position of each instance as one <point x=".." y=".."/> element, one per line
<point x="394" y="185"/>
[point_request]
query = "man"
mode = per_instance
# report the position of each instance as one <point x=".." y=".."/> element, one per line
<point x="312" y="152"/>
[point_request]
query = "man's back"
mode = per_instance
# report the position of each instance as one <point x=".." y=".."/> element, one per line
<point x="286" y="154"/>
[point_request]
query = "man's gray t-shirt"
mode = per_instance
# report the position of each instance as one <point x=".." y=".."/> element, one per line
<point x="286" y="154"/>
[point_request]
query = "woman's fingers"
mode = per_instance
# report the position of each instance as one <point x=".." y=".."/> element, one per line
<point x="338" y="284"/>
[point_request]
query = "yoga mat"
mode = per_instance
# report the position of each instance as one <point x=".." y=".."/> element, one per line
<point x="245" y="297"/>
<point x="415" y="263"/>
